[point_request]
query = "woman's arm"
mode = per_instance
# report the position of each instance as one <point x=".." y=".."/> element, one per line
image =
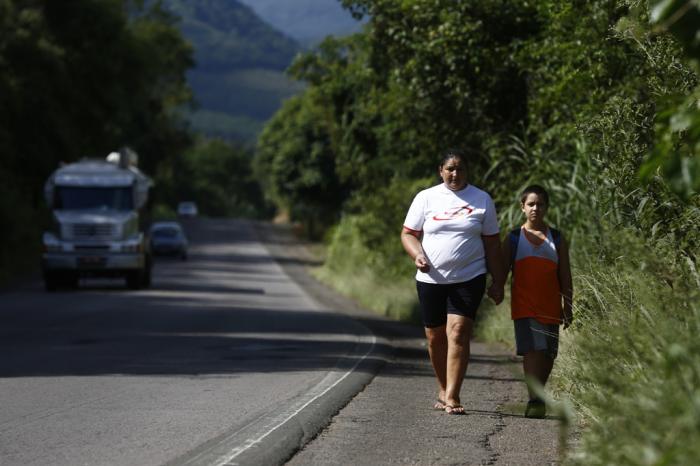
<point x="566" y="283"/>
<point x="410" y="239"/>
<point x="494" y="264"/>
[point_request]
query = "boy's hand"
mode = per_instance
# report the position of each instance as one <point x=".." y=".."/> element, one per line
<point x="567" y="317"/>
<point x="495" y="292"/>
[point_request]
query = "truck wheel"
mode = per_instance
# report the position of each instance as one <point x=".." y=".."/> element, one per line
<point x="50" y="283"/>
<point x="146" y="274"/>
<point x="146" y="278"/>
<point x="70" y="281"/>
<point x="134" y="280"/>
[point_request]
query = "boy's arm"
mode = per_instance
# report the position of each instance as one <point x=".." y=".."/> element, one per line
<point x="566" y="283"/>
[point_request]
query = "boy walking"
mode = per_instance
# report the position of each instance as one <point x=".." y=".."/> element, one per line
<point x="541" y="290"/>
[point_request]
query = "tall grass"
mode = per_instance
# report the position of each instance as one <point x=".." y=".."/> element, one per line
<point x="632" y="368"/>
<point x="351" y="269"/>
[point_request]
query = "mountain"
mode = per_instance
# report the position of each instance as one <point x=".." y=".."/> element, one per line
<point x="229" y="35"/>
<point x="238" y="80"/>
<point x="307" y="21"/>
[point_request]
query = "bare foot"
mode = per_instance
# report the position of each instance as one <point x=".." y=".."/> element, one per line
<point x="454" y="409"/>
<point x="440" y="401"/>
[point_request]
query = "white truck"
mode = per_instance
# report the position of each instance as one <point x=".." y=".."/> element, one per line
<point x="96" y="228"/>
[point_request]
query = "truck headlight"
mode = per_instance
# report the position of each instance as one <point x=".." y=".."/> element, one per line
<point x="51" y="243"/>
<point x="132" y="246"/>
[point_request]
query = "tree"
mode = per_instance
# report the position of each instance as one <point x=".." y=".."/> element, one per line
<point x="677" y="151"/>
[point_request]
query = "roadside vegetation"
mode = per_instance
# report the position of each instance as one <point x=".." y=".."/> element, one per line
<point x="590" y="99"/>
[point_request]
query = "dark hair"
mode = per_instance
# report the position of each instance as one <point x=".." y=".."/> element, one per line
<point x="534" y="189"/>
<point x="451" y="154"/>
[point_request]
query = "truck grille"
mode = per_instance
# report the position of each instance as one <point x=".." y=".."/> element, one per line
<point x="92" y="231"/>
<point x="91" y="247"/>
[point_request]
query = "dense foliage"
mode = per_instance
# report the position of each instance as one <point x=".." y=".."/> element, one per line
<point x="217" y="175"/>
<point x="578" y="96"/>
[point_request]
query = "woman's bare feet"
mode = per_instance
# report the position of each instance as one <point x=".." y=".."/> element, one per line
<point x="440" y="403"/>
<point x="454" y="408"/>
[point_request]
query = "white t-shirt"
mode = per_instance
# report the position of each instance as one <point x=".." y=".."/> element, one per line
<point x="452" y="223"/>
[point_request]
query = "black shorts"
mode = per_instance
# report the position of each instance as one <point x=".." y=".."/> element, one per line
<point x="438" y="300"/>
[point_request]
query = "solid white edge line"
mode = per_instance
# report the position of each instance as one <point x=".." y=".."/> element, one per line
<point x="249" y="443"/>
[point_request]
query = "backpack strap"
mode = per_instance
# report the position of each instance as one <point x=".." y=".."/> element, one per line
<point x="513" y="237"/>
<point x="556" y="237"/>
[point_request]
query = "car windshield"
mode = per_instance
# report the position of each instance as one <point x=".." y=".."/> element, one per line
<point x="165" y="233"/>
<point x="82" y="198"/>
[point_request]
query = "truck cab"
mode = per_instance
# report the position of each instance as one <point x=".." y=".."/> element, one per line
<point x="96" y="228"/>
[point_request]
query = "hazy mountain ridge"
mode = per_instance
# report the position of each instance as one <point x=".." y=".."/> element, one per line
<point x="229" y="35"/>
<point x="239" y="80"/>
<point x="307" y="21"/>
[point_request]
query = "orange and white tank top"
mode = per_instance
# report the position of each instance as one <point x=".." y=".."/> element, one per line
<point x="535" y="288"/>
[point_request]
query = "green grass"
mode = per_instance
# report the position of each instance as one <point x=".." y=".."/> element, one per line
<point x="632" y="367"/>
<point x="390" y="298"/>
<point x="350" y="269"/>
<point x="494" y="323"/>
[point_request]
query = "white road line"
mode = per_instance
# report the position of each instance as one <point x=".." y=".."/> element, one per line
<point x="258" y="437"/>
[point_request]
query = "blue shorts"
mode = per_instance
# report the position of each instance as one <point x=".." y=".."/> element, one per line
<point x="438" y="300"/>
<point x="531" y="335"/>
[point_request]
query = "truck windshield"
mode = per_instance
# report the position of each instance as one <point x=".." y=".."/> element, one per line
<point x="81" y="198"/>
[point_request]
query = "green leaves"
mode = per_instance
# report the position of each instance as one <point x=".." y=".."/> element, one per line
<point x="676" y="155"/>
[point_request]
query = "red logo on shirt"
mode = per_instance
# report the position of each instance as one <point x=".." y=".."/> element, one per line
<point x="456" y="212"/>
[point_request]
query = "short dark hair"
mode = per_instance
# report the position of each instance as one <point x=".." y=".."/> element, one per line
<point x="534" y="189"/>
<point x="452" y="153"/>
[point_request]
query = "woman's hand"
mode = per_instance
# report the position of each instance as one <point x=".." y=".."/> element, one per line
<point x="411" y="243"/>
<point x="422" y="263"/>
<point x="495" y="292"/>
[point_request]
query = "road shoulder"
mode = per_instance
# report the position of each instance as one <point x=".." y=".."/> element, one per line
<point x="391" y="420"/>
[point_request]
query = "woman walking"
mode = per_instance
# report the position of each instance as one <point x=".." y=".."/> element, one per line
<point x="451" y="233"/>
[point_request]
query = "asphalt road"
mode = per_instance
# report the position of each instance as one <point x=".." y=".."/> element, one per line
<point x="225" y="360"/>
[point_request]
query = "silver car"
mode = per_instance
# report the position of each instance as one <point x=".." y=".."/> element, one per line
<point x="168" y="238"/>
<point x="187" y="209"/>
